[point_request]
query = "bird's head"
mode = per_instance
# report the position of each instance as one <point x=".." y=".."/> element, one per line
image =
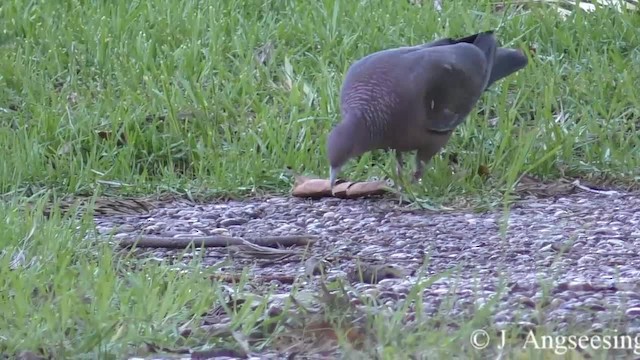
<point x="343" y="143"/>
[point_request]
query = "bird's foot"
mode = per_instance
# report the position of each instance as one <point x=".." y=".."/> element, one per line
<point x="417" y="177"/>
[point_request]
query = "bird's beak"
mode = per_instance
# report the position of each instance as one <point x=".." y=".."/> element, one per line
<point x="333" y="174"/>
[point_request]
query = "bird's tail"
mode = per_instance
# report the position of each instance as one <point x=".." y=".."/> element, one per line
<point x="506" y="62"/>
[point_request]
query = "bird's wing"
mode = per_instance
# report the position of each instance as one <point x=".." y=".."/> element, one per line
<point x="507" y="61"/>
<point x="450" y="79"/>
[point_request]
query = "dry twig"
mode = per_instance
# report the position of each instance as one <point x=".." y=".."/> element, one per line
<point x="155" y="241"/>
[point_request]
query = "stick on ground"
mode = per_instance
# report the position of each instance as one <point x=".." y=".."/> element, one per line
<point x="156" y="241"/>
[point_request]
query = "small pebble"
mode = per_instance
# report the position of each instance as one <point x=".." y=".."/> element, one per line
<point x="232" y="222"/>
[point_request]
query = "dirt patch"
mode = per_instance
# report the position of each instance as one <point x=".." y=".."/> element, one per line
<point x="581" y="249"/>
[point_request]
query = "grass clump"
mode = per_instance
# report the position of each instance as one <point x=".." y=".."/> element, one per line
<point x="64" y="295"/>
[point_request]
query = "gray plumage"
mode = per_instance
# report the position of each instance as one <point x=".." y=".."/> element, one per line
<point x="412" y="98"/>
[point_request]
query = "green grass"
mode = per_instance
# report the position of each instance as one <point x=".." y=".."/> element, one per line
<point x="121" y="62"/>
<point x="70" y="69"/>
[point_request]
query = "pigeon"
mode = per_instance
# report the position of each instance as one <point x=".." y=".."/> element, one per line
<point x="412" y="98"/>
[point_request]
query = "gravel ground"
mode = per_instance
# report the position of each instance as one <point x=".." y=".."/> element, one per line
<point x="581" y="247"/>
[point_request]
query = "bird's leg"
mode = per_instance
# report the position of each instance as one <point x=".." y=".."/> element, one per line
<point x="399" y="164"/>
<point x="417" y="175"/>
<point x="399" y="171"/>
<point x="399" y="178"/>
<point x="436" y="142"/>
